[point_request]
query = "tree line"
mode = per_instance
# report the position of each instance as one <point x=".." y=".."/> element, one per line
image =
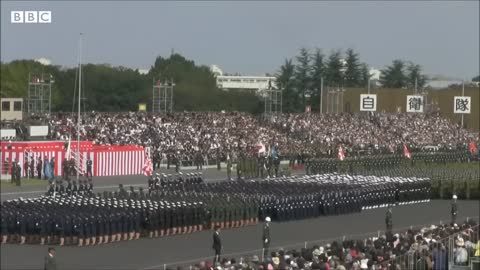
<point x="301" y="79"/>
<point x="108" y="88"/>
<point x="113" y="89"/>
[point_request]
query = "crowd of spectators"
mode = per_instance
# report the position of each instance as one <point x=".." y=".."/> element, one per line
<point x="380" y="130"/>
<point x="419" y="249"/>
<point x="216" y="134"/>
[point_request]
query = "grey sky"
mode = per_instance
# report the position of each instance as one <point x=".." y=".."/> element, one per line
<point x="249" y="37"/>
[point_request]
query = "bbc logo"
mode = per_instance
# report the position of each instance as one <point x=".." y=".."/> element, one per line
<point x="31" y="17"/>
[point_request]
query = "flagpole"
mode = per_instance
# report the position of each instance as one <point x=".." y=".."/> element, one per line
<point x="79" y="95"/>
<point x="321" y="95"/>
<point x="463" y="94"/>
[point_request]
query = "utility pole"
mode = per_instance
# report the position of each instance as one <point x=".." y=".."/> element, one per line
<point x="463" y="94"/>
<point x="321" y="95"/>
<point x="369" y="86"/>
<point x="415" y="86"/>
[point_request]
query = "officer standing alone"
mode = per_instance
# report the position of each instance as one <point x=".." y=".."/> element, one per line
<point x="217" y="244"/>
<point x="454" y="209"/>
<point x="89" y="169"/>
<point x="266" y="236"/>
<point x="50" y="260"/>
<point x="389" y="222"/>
<point x="229" y="168"/>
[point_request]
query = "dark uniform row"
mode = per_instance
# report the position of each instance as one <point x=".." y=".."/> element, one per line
<point x="86" y="220"/>
<point x="194" y="206"/>
<point x="362" y="164"/>
<point x="70" y="188"/>
<point x="161" y="181"/>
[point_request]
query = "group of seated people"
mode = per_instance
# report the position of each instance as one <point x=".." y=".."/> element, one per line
<point x="217" y="134"/>
<point x="420" y="249"/>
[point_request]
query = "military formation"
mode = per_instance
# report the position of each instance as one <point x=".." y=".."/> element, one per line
<point x="69" y="168"/>
<point x="15" y="172"/>
<point x="82" y="220"/>
<point x="70" y="188"/>
<point x="161" y="181"/>
<point x="187" y="204"/>
<point x="363" y="164"/>
<point x="263" y="166"/>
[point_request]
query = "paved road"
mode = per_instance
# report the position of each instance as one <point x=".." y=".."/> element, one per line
<point x="153" y="253"/>
<point x="108" y="183"/>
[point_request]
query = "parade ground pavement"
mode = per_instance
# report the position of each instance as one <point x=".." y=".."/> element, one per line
<point x="110" y="183"/>
<point x="185" y="250"/>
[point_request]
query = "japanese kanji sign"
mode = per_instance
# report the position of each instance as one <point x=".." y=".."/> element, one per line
<point x="414" y="104"/>
<point x="368" y="103"/>
<point x="462" y="104"/>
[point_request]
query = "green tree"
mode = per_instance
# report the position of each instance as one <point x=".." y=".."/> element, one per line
<point x="302" y="74"/>
<point x="414" y="73"/>
<point x="285" y="81"/>
<point x="333" y="73"/>
<point x="108" y="88"/>
<point x="394" y="76"/>
<point x="353" y="73"/>
<point x="476" y="79"/>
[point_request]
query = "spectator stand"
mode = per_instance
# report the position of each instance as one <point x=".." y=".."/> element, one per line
<point x="413" y="253"/>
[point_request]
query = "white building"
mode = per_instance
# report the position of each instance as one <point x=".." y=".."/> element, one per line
<point x="12" y="109"/>
<point x="227" y="82"/>
<point x="374" y="74"/>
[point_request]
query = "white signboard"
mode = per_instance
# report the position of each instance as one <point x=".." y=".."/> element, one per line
<point x="38" y="131"/>
<point x="7" y="133"/>
<point x="414" y="104"/>
<point x="462" y="104"/>
<point x="368" y="102"/>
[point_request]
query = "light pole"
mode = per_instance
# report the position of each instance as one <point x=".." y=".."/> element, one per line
<point x="321" y="95"/>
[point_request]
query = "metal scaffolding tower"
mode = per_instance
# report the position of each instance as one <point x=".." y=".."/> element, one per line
<point x="335" y="100"/>
<point x="39" y="93"/>
<point x="273" y="101"/>
<point x="162" y="100"/>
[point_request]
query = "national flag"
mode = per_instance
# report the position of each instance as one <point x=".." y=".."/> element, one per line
<point x="341" y="154"/>
<point x="473" y="148"/>
<point x="69" y="149"/>
<point x="261" y="148"/>
<point x="274" y="153"/>
<point x="147" y="166"/>
<point x="406" y="152"/>
<point x="49" y="171"/>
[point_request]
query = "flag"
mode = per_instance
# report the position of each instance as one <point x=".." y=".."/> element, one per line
<point x="274" y="153"/>
<point x="261" y="148"/>
<point x="341" y="154"/>
<point x="48" y="171"/>
<point x="473" y="148"/>
<point x="69" y="149"/>
<point x="406" y="152"/>
<point x="147" y="165"/>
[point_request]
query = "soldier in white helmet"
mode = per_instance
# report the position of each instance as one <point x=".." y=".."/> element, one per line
<point x="454" y="209"/>
<point x="266" y="236"/>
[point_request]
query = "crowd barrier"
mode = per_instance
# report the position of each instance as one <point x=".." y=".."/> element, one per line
<point x="405" y="260"/>
<point x="106" y="160"/>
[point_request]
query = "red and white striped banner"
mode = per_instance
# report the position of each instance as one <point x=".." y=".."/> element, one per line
<point x="106" y="160"/>
<point x="114" y="161"/>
